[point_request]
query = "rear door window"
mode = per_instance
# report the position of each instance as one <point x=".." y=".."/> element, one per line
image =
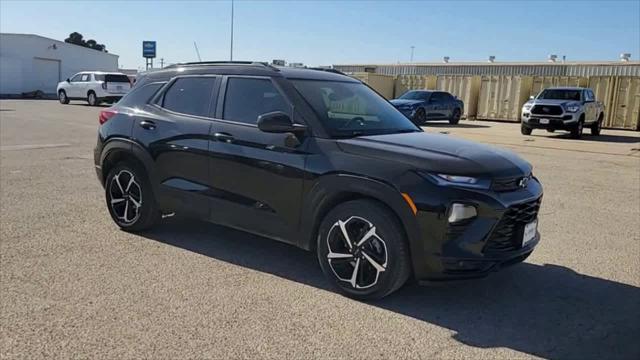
<point x="248" y="98"/>
<point x="85" y="77"/>
<point x="190" y="95"/>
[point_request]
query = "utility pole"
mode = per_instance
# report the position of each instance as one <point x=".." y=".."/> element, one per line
<point x="412" y="47"/>
<point x="161" y="63"/>
<point x="231" y="53"/>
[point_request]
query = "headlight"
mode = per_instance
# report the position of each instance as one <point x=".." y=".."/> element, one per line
<point x="458" y="180"/>
<point x="459" y="212"/>
<point x="572" y="108"/>
<point x="527" y="107"/>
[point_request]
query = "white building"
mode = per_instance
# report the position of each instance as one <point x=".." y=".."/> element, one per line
<point x="31" y="62"/>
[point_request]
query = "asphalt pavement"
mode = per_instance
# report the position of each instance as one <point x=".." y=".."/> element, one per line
<point x="73" y="285"/>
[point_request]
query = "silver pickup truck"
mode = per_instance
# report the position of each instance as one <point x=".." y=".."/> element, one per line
<point x="563" y="108"/>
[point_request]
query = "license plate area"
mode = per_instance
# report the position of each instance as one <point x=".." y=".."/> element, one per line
<point x="544" y="121"/>
<point x="529" y="232"/>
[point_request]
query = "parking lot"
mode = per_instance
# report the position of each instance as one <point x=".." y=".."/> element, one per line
<point x="73" y="285"/>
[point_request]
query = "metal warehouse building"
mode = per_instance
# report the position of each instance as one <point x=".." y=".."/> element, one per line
<point x="497" y="91"/>
<point x="31" y="63"/>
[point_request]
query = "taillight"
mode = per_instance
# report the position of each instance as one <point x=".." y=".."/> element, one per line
<point x="105" y="115"/>
<point x="104" y="85"/>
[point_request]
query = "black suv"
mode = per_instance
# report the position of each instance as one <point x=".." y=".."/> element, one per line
<point x="319" y="160"/>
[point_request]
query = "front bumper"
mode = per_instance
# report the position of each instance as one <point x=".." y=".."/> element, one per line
<point x="484" y="244"/>
<point x="562" y="122"/>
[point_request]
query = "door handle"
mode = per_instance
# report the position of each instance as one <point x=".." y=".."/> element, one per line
<point x="147" y="124"/>
<point x="226" y="137"/>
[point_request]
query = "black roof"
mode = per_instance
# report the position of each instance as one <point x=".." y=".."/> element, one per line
<point x="248" y="68"/>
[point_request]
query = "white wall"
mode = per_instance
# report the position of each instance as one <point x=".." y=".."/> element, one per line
<point x="17" y="53"/>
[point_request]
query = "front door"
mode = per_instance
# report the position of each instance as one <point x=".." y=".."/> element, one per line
<point x="175" y="131"/>
<point x="257" y="177"/>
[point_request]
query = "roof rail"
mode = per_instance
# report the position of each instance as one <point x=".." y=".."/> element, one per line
<point x="221" y="63"/>
<point x="335" y="71"/>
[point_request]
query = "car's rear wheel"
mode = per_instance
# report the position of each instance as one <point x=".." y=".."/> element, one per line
<point x="62" y="96"/>
<point x="576" y="131"/>
<point x="455" y="117"/>
<point x="597" y="126"/>
<point x="525" y="130"/>
<point x="92" y="99"/>
<point x="420" y="117"/>
<point x="129" y="197"/>
<point x="362" y="250"/>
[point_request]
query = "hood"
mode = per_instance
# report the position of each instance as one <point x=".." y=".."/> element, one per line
<point x="439" y="153"/>
<point x="551" y="102"/>
<point x="401" y="102"/>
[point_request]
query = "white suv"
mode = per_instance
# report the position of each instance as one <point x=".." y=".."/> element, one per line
<point x="94" y="87"/>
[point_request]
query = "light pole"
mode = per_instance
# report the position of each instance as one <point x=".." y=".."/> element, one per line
<point x="412" y="47"/>
<point x="231" y="57"/>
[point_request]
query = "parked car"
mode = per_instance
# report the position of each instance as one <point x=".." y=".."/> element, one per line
<point x="318" y="160"/>
<point x="423" y="105"/>
<point x="94" y="87"/>
<point x="571" y="109"/>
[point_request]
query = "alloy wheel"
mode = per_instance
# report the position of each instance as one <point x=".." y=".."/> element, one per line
<point x="357" y="254"/>
<point x="92" y="99"/>
<point x="125" y="197"/>
<point x="62" y="97"/>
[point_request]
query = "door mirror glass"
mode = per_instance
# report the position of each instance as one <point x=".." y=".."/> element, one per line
<point x="278" y="122"/>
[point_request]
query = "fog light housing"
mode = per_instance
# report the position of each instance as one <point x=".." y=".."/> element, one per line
<point x="459" y="212"/>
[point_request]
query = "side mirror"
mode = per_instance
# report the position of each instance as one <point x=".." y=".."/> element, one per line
<point x="68" y="80"/>
<point x="278" y="122"/>
<point x="532" y="97"/>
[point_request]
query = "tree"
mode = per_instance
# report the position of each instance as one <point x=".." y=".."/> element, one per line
<point x="77" y="39"/>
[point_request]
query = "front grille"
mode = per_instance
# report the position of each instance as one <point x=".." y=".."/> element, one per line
<point x="547" y="110"/>
<point x="507" y="234"/>
<point x="509" y="184"/>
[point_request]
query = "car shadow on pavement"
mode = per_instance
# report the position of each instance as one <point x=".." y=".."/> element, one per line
<point x="621" y="139"/>
<point x="546" y="310"/>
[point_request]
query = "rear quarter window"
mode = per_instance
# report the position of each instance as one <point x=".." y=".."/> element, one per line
<point x="140" y="95"/>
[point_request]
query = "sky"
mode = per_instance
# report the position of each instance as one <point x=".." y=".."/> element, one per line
<point x="340" y="32"/>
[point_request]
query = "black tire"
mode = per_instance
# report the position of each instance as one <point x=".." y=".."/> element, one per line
<point x="387" y="248"/>
<point x="138" y="209"/>
<point x="420" y="118"/>
<point x="62" y="97"/>
<point x="597" y="126"/>
<point x="455" y="117"/>
<point x="576" y="131"/>
<point x="92" y="99"/>
<point x="525" y="130"/>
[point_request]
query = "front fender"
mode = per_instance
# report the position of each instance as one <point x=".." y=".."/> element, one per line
<point x="328" y="191"/>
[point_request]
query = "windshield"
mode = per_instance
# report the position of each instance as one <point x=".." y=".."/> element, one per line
<point x="415" y="95"/>
<point x="352" y="109"/>
<point x="560" y="94"/>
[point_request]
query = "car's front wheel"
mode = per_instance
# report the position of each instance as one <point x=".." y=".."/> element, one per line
<point x="362" y="250"/>
<point x="525" y="130"/>
<point x="129" y="197"/>
<point x="597" y="126"/>
<point x="576" y="131"/>
<point x="62" y="97"/>
<point x="420" y="117"/>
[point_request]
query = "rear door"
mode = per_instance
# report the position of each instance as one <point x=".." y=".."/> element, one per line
<point x="257" y="176"/>
<point x="175" y="132"/>
<point x="589" y="106"/>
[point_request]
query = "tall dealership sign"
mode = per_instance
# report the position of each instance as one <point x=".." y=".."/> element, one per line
<point x="149" y="52"/>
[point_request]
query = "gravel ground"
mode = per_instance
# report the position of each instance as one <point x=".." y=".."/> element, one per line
<point x="73" y="285"/>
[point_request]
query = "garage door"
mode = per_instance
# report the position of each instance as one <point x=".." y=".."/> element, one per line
<point x="46" y="74"/>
